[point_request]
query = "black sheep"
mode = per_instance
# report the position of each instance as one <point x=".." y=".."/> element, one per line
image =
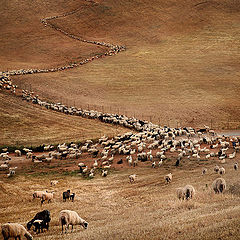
<point x="40" y="225"/>
<point x="43" y="215"/>
<point x="72" y="196"/>
<point x="66" y="195"/>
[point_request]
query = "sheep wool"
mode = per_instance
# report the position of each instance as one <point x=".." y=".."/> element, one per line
<point x="15" y="230"/>
<point x="68" y="217"/>
<point x="219" y="185"/>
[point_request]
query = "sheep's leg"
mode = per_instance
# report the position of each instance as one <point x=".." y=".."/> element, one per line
<point x="72" y="227"/>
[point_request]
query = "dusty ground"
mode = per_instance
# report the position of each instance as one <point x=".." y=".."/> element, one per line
<point x="116" y="209"/>
<point x="180" y="65"/>
<point x="30" y="125"/>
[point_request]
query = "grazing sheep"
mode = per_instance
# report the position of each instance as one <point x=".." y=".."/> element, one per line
<point x="186" y="192"/>
<point x="18" y="153"/>
<point x="66" y="195"/>
<point x="219" y="185"/>
<point x="72" y="196"/>
<point x="216" y="169"/>
<point x="204" y="171"/>
<point x="38" y="194"/>
<point x="104" y="173"/>
<point x="43" y="215"/>
<point x="168" y="178"/>
<point x="153" y="164"/>
<point x="189" y="191"/>
<point x="15" y="230"/>
<point x="11" y="173"/>
<point x="222" y="171"/>
<point x="47" y="197"/>
<point x="54" y="182"/>
<point x="39" y="225"/>
<point x="235" y="166"/>
<point x="180" y="194"/>
<point x="68" y="217"/>
<point x="132" y="178"/>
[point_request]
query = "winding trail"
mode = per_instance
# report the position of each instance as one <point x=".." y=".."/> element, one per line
<point x="112" y="49"/>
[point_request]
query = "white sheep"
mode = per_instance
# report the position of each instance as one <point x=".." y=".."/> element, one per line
<point x="18" y="153"/>
<point x="104" y="173"/>
<point x="235" y="166"/>
<point x="180" y="194"/>
<point x="15" y="230"/>
<point x="54" y="182"/>
<point x="216" y="169"/>
<point x="38" y="194"/>
<point x="132" y="178"/>
<point x="219" y="185"/>
<point x="222" y="171"/>
<point x="168" y="178"/>
<point x="68" y="217"/>
<point x="188" y="191"/>
<point x="47" y="197"/>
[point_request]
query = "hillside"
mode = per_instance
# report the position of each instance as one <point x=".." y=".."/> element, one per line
<point x="181" y="63"/>
<point x="30" y="125"/>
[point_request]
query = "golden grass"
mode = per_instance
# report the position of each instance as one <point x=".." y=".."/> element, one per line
<point x="30" y="125"/>
<point x="116" y="209"/>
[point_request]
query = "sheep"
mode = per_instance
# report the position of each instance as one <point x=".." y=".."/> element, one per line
<point x="43" y="215"/>
<point x="66" y="195"/>
<point x="216" y="169"/>
<point x="68" y="217"/>
<point x="53" y="182"/>
<point x="15" y="230"/>
<point x="39" y="225"/>
<point x="72" y="196"/>
<point x="104" y="173"/>
<point x="235" y="166"/>
<point x="47" y="197"/>
<point x="18" y="153"/>
<point x="168" y="178"/>
<point x="29" y="155"/>
<point x="132" y="178"/>
<point x="188" y="191"/>
<point x="160" y="163"/>
<point x="222" y="171"/>
<point x="4" y="167"/>
<point x="204" y="171"/>
<point x="38" y="194"/>
<point x="180" y="194"/>
<point x="219" y="185"/>
<point x="11" y="173"/>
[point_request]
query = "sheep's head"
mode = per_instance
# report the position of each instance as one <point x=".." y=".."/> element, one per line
<point x="29" y="225"/>
<point x="85" y="224"/>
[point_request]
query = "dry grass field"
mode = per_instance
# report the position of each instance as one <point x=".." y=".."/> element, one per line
<point x="24" y="124"/>
<point x="116" y="209"/>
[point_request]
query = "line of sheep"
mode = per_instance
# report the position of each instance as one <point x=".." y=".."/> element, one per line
<point x="40" y="222"/>
<point x="113" y="49"/>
